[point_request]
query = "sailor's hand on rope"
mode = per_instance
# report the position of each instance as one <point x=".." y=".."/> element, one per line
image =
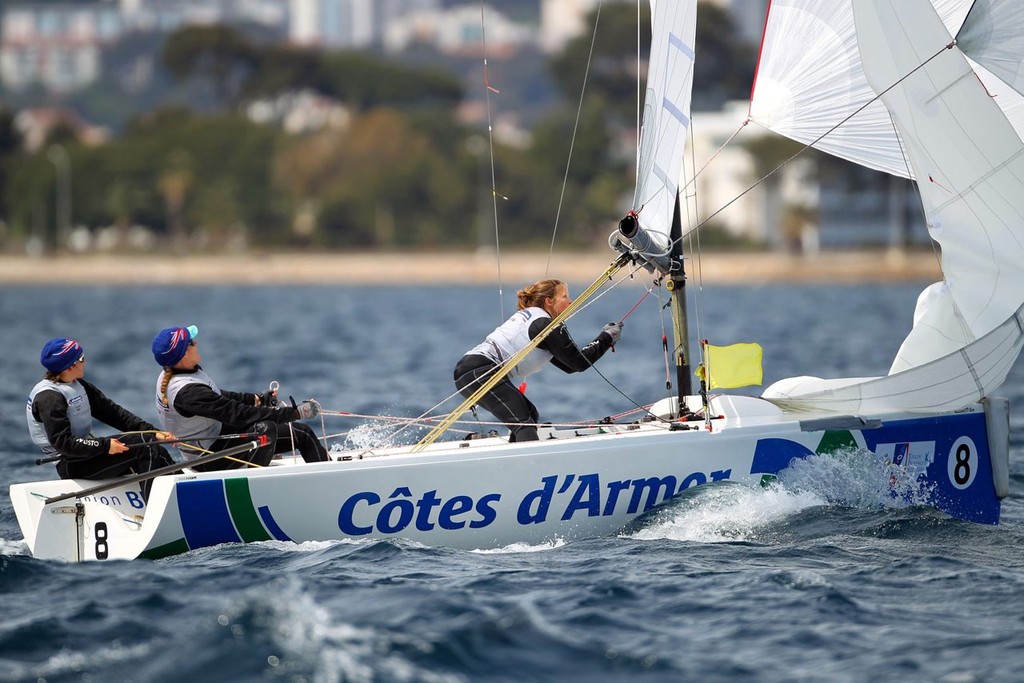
<point x="307" y="409"/>
<point x="614" y="331"/>
<point x="269" y="397"/>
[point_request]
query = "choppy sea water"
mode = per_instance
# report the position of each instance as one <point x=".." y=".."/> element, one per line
<point x="814" y="579"/>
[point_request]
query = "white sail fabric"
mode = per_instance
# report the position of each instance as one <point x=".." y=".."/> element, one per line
<point x="666" y="115"/>
<point x="948" y="383"/>
<point x="810" y="78"/>
<point x="970" y="165"/>
<point x="993" y="36"/>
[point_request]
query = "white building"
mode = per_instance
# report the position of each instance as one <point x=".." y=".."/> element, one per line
<point x="56" y="45"/>
<point x="347" y="24"/>
<point x="561" y="21"/>
<point x="457" y="31"/>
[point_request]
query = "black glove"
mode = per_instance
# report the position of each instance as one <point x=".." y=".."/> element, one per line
<point x="613" y="330"/>
<point x="307" y="409"/>
<point x="268" y="399"/>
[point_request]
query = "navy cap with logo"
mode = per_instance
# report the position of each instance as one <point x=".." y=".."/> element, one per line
<point x="59" y="354"/>
<point x="170" y="344"/>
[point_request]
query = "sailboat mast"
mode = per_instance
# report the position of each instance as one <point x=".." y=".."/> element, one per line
<point x="676" y="284"/>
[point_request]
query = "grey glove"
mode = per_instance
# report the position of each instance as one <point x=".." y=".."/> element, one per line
<point x="307" y="409"/>
<point x="613" y="330"/>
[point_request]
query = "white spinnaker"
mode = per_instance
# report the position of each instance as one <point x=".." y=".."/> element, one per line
<point x="810" y="78"/>
<point x="666" y="115"/>
<point x="968" y="330"/>
<point x="993" y="36"/>
<point x="948" y="383"/>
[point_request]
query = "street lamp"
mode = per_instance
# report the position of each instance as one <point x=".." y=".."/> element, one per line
<point x="62" y="163"/>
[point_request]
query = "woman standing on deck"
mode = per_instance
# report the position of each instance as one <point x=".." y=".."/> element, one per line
<point x="191" y="405"/>
<point x="538" y="304"/>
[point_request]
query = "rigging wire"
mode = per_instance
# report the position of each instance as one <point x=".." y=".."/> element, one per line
<point x="490" y="145"/>
<point x="572" y="142"/>
<point x="694" y="235"/>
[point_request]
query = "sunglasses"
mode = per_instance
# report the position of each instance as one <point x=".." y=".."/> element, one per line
<point x="80" y="360"/>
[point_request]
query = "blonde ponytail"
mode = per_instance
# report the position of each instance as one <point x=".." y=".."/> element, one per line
<point x="163" y="385"/>
<point x="537" y="293"/>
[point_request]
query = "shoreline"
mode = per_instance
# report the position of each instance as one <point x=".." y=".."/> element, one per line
<point x="449" y="267"/>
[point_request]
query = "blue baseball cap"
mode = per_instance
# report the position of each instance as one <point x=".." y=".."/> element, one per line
<point x="170" y="345"/>
<point x="59" y="354"/>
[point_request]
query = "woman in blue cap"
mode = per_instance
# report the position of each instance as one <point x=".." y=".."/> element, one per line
<point x="60" y="412"/>
<point x="191" y="405"/>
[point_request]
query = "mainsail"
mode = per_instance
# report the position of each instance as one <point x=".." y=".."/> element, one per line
<point x="969" y="162"/>
<point x="666" y="120"/>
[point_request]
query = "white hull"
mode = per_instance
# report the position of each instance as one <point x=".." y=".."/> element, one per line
<point x="487" y="493"/>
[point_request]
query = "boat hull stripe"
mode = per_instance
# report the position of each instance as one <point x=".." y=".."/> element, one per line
<point x="204" y="515"/>
<point x="271" y="524"/>
<point x="243" y="512"/>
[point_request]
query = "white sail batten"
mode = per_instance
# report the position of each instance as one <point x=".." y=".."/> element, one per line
<point x="970" y="162"/>
<point x="666" y="116"/>
<point x="810" y="78"/>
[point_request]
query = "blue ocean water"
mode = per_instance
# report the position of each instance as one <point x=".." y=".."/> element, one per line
<point x="811" y="580"/>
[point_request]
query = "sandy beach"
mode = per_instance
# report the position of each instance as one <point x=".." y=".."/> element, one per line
<point x="396" y="268"/>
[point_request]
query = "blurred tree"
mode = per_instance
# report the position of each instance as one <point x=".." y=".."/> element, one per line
<point x="723" y="69"/>
<point x="613" y="69"/>
<point x="366" y="82"/>
<point x="10" y="150"/>
<point x="380" y="183"/>
<point x="239" y="69"/>
<point x="218" y="54"/>
<point x="176" y="178"/>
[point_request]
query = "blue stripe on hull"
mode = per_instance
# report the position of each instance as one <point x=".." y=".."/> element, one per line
<point x="203" y="510"/>
<point x="271" y="524"/>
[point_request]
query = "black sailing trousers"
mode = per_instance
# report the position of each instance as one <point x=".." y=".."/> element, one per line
<point x="504" y="401"/>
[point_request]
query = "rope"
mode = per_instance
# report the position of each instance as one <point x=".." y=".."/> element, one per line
<point x="518" y="356"/>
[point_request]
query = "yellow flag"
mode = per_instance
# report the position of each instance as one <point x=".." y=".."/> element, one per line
<point x="736" y="365"/>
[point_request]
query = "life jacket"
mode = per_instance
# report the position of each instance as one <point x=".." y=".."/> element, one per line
<point x="197" y="430"/>
<point x="79" y="412"/>
<point x="512" y="336"/>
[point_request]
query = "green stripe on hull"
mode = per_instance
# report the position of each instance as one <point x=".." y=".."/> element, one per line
<point x="835" y="441"/>
<point x="166" y="550"/>
<point x="243" y="513"/>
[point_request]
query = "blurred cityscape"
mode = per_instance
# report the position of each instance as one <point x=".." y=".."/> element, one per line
<point x="206" y="125"/>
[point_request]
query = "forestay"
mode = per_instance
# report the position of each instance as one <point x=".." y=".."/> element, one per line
<point x="967" y="330"/>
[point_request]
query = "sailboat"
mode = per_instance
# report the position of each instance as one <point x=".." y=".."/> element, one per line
<point x="934" y="419"/>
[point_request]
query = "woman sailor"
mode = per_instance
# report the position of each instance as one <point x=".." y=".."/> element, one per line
<point x="191" y="405"/>
<point x="60" y="412"/>
<point x="537" y="305"/>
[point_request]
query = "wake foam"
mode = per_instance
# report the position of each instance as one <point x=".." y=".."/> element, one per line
<point x="726" y="514"/>
<point x="856" y="478"/>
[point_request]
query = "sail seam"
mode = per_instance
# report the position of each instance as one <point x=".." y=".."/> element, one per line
<point x="981" y="180"/>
